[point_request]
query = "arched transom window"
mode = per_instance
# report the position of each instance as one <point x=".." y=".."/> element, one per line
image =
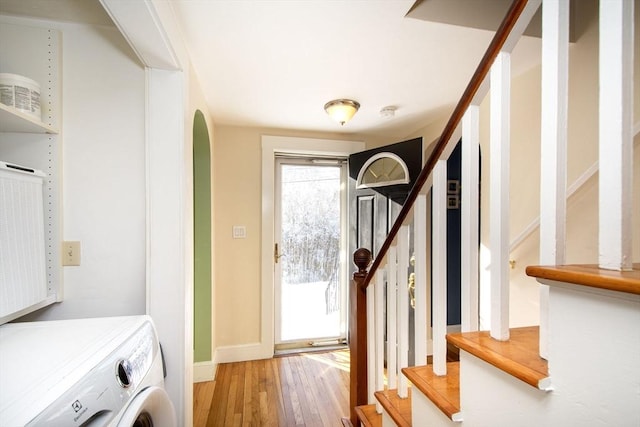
<point x="383" y="169"/>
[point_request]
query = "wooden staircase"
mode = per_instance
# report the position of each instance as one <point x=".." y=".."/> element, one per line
<point x="581" y="364"/>
<point x="519" y="356"/>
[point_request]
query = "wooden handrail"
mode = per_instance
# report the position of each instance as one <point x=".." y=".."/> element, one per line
<point x="478" y="77"/>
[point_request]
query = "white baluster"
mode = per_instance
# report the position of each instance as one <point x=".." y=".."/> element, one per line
<point x="392" y="313"/>
<point x="379" y="327"/>
<point x="499" y="184"/>
<point x="616" y="143"/>
<point x="428" y="273"/>
<point x="403" y="308"/>
<point x="469" y="205"/>
<point x="420" y="278"/>
<point x="439" y="267"/>
<point x="553" y="144"/>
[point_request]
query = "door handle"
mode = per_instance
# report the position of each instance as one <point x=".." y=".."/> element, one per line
<point x="411" y="286"/>
<point x="276" y="254"/>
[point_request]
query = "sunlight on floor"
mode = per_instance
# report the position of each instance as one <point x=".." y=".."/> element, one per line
<point x="335" y="359"/>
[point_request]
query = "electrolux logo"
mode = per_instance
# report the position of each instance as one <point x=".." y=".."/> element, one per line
<point x="77" y="407"/>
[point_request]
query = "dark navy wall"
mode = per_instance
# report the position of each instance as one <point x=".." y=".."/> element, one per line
<point x="454" y="225"/>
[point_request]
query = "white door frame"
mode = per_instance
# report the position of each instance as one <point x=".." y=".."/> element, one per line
<point x="270" y="146"/>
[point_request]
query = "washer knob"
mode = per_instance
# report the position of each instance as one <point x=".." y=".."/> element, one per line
<point x="123" y="373"/>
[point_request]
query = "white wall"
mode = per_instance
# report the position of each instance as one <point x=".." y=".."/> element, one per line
<point x="582" y="208"/>
<point x="172" y="96"/>
<point x="103" y="174"/>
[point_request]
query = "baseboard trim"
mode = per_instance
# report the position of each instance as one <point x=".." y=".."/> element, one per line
<point x="204" y="371"/>
<point x="242" y="353"/>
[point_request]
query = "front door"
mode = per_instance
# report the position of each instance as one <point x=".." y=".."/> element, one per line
<point x="380" y="179"/>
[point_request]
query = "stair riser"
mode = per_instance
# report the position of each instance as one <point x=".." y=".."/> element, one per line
<point x="486" y="391"/>
<point x="387" y="421"/>
<point x="425" y="413"/>
<point x="594" y="353"/>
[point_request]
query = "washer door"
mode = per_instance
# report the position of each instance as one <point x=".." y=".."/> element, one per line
<point x="149" y="408"/>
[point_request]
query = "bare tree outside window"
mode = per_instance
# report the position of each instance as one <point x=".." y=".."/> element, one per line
<point x="310" y="223"/>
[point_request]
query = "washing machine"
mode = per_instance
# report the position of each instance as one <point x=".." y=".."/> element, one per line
<point x="86" y="372"/>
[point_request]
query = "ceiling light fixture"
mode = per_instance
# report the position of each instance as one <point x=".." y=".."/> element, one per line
<point x="341" y="110"/>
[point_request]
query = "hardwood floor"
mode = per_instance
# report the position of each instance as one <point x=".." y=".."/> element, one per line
<point x="305" y="389"/>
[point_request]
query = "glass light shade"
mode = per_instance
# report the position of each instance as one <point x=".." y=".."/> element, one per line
<point x="341" y="110"/>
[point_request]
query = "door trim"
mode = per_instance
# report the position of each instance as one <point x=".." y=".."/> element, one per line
<point x="272" y="145"/>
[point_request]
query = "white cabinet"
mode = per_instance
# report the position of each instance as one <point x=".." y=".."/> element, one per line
<point x="34" y="51"/>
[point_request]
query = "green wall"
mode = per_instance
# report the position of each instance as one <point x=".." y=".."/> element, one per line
<point x="201" y="240"/>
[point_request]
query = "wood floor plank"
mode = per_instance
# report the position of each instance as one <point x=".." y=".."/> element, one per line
<point x="220" y="396"/>
<point x="233" y="394"/>
<point x="320" y="393"/>
<point x="273" y="391"/>
<point x="203" y="394"/>
<point x="306" y="389"/>
<point x="329" y="396"/>
<point x="308" y="403"/>
<point x="256" y="407"/>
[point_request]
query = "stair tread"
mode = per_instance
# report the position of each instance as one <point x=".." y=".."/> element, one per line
<point x="519" y="356"/>
<point x="399" y="409"/>
<point x="368" y="416"/>
<point x="590" y="275"/>
<point x="443" y="391"/>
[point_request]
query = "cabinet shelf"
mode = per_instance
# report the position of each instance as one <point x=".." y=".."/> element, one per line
<point x="12" y="120"/>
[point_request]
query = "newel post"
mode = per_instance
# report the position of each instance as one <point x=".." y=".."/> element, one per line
<point x="358" y="333"/>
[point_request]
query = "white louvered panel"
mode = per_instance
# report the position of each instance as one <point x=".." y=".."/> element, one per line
<point x="22" y="245"/>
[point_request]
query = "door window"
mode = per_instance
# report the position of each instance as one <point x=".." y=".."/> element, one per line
<point x="310" y="294"/>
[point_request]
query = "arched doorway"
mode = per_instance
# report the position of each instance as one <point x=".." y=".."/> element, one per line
<point x="201" y="240"/>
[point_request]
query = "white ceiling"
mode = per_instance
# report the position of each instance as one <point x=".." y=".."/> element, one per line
<point x="275" y="63"/>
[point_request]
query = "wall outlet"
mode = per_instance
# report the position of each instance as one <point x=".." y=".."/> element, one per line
<point x="70" y="253"/>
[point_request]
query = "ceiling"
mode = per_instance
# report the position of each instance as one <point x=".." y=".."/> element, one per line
<point x="276" y="63"/>
<point x="270" y="63"/>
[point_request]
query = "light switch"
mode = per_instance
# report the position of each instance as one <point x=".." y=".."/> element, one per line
<point x="71" y="253"/>
<point x="239" y="232"/>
